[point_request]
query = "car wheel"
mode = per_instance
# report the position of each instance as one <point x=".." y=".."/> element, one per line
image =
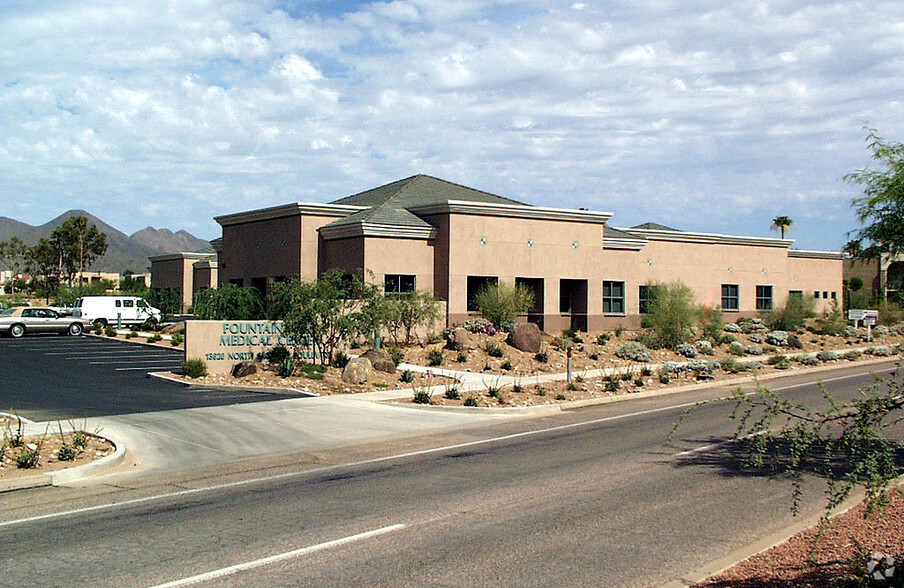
<point x="75" y="329"/>
<point x="17" y="331"/>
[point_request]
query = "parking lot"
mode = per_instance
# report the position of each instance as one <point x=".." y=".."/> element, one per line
<point x="57" y="378"/>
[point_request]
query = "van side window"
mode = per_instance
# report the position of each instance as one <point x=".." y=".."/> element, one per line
<point x="128" y="303"/>
<point x="118" y="303"/>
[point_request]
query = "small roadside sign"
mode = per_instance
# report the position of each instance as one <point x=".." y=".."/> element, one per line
<point x="859" y="315"/>
<point x="869" y="322"/>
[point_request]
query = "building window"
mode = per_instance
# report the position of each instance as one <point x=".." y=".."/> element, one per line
<point x="398" y="284"/>
<point x="825" y="295"/>
<point x="475" y="285"/>
<point x="834" y="295"/>
<point x="613" y="297"/>
<point x="730" y="297"/>
<point x="796" y="293"/>
<point x="764" y="297"/>
<point x="816" y="294"/>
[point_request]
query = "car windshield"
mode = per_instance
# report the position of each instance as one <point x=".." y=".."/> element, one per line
<point x="7" y="312"/>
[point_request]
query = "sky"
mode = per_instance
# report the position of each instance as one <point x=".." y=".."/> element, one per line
<point x="712" y="116"/>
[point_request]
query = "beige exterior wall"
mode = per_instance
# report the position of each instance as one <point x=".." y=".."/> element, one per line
<point x="204" y="276"/>
<point x="261" y="249"/>
<point x="384" y="256"/>
<point x="174" y="272"/>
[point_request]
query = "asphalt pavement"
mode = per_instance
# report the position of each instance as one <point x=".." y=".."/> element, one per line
<point x="586" y="497"/>
<point x="50" y="378"/>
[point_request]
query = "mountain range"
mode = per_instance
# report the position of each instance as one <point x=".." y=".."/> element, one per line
<point x="124" y="252"/>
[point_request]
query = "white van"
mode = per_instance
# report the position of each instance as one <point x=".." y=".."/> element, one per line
<point x="109" y="310"/>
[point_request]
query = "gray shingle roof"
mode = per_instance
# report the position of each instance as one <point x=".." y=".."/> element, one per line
<point x="388" y="203"/>
<point x="610" y="233"/>
<point x="655" y="227"/>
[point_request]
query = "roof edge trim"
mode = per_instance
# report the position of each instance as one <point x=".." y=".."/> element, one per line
<point x="296" y="208"/>
<point x="366" y="229"/>
<point x="513" y="210"/>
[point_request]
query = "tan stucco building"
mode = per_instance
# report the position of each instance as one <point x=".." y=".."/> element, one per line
<point x="883" y="277"/>
<point x="428" y="234"/>
<point x="189" y="272"/>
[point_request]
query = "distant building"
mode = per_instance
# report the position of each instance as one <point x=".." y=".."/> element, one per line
<point x="189" y="272"/>
<point x="423" y="233"/>
<point x="882" y="278"/>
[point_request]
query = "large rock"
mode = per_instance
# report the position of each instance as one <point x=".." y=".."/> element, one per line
<point x="460" y="340"/>
<point x="244" y="368"/>
<point x="526" y="337"/>
<point x="380" y="360"/>
<point x="357" y="371"/>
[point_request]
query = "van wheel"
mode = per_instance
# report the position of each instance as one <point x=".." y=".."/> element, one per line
<point x="75" y="329"/>
<point x="17" y="331"/>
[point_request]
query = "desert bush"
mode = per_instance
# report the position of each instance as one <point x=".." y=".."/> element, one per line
<point x="313" y="371"/>
<point x="155" y="338"/>
<point x="793" y="315"/>
<point x="276" y="355"/>
<point x="672" y="315"/>
<point x="340" y="359"/>
<point x="131" y="335"/>
<point x="27" y="457"/>
<point x="407" y="377"/>
<point x="613" y="386"/>
<point x="470" y="401"/>
<point x="833" y="323"/>
<point x="194" y="368"/>
<point x="422" y="396"/>
<point x="687" y="350"/>
<point x="461" y="357"/>
<point x="777" y="338"/>
<point x="435" y="357"/>
<point x="705" y="347"/>
<point x="593" y="356"/>
<point x="395" y="354"/>
<point x="176" y="339"/>
<point x="634" y="351"/>
<point x="502" y="303"/>
<point x="753" y="350"/>
<point x="451" y="393"/>
<point x="827" y="355"/>
<point x="229" y="302"/>
<point x="286" y="368"/>
<point x="737" y="348"/>
<point x="852" y="355"/>
<point x="506" y="365"/>
<point x="602" y="338"/>
<point x="542" y="357"/>
<point x="880" y="351"/>
<point x="493" y="350"/>
<point x="109" y="331"/>
<point x="731" y="328"/>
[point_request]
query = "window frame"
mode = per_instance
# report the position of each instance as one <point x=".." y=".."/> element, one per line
<point x="726" y="296"/>
<point x="611" y="298"/>
<point x="399" y="280"/>
<point x="764" y="302"/>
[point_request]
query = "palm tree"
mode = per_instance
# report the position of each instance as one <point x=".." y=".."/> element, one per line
<point x="782" y="223"/>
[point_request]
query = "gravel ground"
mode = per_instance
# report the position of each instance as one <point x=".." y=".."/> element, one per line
<point x="841" y="555"/>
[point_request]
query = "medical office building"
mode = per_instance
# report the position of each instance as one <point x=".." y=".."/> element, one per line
<point x="423" y="233"/>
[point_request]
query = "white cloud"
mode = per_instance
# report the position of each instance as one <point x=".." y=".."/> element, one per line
<point x="692" y="114"/>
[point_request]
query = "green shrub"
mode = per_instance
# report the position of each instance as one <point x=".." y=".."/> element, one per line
<point x="461" y="357"/>
<point x="493" y="391"/>
<point x="98" y="329"/>
<point x="313" y="371"/>
<point x="27" y="458"/>
<point x="517" y="389"/>
<point x="109" y="331"/>
<point x="506" y="365"/>
<point x="852" y="355"/>
<point x="340" y="359"/>
<point x="613" y="386"/>
<point x="395" y="354"/>
<point x="286" y="368"/>
<point x="176" y="340"/>
<point x="470" y="401"/>
<point x="493" y="350"/>
<point x="194" y="368"/>
<point x="593" y="356"/>
<point x="793" y="315"/>
<point x="646" y="371"/>
<point x="229" y="302"/>
<point x="155" y="338"/>
<point x="573" y="335"/>
<point x="602" y="338"/>
<point x="540" y="391"/>
<point x="501" y="303"/>
<point x="277" y="355"/>
<point x="833" y="323"/>
<point x="80" y="439"/>
<point x="422" y="396"/>
<point x="131" y="335"/>
<point x="451" y="393"/>
<point x="407" y="377"/>
<point x="664" y="378"/>
<point x="571" y="386"/>
<point x="435" y="357"/>
<point x="672" y="314"/>
<point x="561" y="397"/>
<point x="68" y="452"/>
<point x="639" y="382"/>
<point x="542" y="357"/>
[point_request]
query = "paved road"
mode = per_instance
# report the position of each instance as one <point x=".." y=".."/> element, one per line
<point x="588" y="497"/>
<point x="48" y="378"/>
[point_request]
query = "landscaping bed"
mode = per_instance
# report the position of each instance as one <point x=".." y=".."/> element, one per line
<point x="48" y="452"/>
<point x="841" y="556"/>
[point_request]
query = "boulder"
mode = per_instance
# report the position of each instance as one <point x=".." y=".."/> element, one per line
<point x="244" y="368"/>
<point x="795" y="342"/>
<point x="526" y="337"/>
<point x="380" y="360"/>
<point x="460" y="340"/>
<point x="357" y="371"/>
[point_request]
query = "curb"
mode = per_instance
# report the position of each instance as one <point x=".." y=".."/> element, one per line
<point x="123" y="332"/>
<point x="231" y="388"/>
<point x="70" y="474"/>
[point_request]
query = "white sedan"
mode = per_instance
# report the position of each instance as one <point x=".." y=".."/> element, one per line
<point x="31" y="319"/>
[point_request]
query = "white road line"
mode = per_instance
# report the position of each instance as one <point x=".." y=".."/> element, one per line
<point x="130" y="361"/>
<point x="715" y="445"/>
<point x="148" y="368"/>
<point x="366" y="462"/>
<point x="279" y="557"/>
